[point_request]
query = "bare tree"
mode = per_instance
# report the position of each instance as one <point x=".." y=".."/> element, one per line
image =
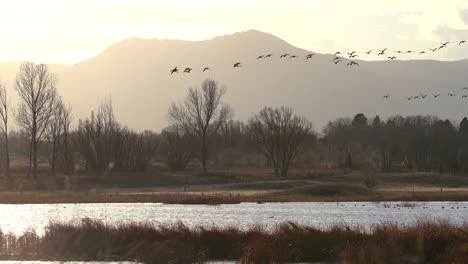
<point x="280" y="136"/>
<point x="202" y="115"/>
<point x="36" y="88"/>
<point x="4" y="112"/>
<point x="176" y="147"/>
<point x="54" y="134"/>
<point x="66" y="123"/>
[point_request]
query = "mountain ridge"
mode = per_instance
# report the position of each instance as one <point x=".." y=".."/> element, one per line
<point x="135" y="73"/>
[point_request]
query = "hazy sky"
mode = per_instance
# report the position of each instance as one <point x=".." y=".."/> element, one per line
<point x="57" y="31"/>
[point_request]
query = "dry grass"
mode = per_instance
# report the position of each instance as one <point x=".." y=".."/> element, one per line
<point x="424" y="242"/>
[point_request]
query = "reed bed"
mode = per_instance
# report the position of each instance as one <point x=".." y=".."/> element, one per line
<point x="423" y="242"/>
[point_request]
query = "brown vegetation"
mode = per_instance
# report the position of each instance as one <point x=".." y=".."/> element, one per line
<point x="423" y="242"/>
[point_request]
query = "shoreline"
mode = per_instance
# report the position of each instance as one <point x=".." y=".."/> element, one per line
<point x="217" y="198"/>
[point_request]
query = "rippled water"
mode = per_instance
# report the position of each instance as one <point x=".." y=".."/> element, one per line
<point x="19" y="218"/>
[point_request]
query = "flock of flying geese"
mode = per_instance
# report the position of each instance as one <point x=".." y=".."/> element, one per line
<point x="339" y="57"/>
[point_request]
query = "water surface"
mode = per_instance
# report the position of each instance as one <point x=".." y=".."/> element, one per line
<point x="19" y="218"/>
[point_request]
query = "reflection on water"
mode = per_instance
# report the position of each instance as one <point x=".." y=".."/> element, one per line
<point x="19" y="218"/>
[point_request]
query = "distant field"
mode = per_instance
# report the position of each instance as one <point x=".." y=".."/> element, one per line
<point x="241" y="185"/>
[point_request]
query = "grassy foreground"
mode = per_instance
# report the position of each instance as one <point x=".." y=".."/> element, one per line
<point x="424" y="242"/>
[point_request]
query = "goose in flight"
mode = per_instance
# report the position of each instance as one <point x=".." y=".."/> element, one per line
<point x="337" y="53"/>
<point x="309" y="56"/>
<point x="464" y="88"/>
<point x="433" y="50"/>
<point x="268" y="56"/>
<point x="284" y="55"/>
<point x="398" y="51"/>
<point x="409" y="51"/>
<point x="451" y="94"/>
<point x="353" y="56"/>
<point x="392" y="58"/>
<point x="292" y="56"/>
<point x="416" y="97"/>
<point x="423" y="96"/>
<point x="175" y="70"/>
<point x="352" y="63"/>
<point x="464" y="96"/>
<point x="206" y="69"/>
<point x="188" y="70"/>
<point x="445" y="43"/>
<point x="461" y="42"/>
<point x="259" y="57"/>
<point x="237" y="65"/>
<point x="409" y="98"/>
<point x="436" y="95"/>
<point x="336" y="61"/>
<point x="382" y="52"/>
<point x="422" y="52"/>
<point x="386" y="96"/>
<point x="368" y="52"/>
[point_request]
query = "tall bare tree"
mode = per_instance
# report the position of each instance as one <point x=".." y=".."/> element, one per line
<point x="280" y="136"/>
<point x="36" y="87"/>
<point x="202" y="115"/>
<point x="54" y="134"/>
<point x="4" y="112"/>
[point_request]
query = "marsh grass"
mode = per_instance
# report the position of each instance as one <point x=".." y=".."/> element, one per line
<point x="424" y="242"/>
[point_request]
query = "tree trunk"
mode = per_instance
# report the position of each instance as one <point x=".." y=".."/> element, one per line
<point x="204" y="154"/>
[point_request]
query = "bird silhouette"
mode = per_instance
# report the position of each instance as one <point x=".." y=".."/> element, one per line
<point x="352" y="53"/>
<point x="175" y="70"/>
<point x="464" y="88"/>
<point x="206" y="69"/>
<point x="368" y="52"/>
<point x="416" y="97"/>
<point x="445" y="43"/>
<point x="337" y="53"/>
<point x="392" y="58"/>
<point x="409" y="98"/>
<point x="352" y="63"/>
<point x="259" y="57"/>
<point x="336" y="61"/>
<point x="436" y="95"/>
<point x="337" y="58"/>
<point x="309" y="56"/>
<point x="422" y="52"/>
<point x="409" y="51"/>
<point x="386" y="96"/>
<point x="451" y="94"/>
<point x="187" y="70"/>
<point x="237" y="65"/>
<point x="433" y="50"/>
<point x="353" y="56"/>
<point x="423" y="96"/>
<point x="464" y="96"/>
<point x="461" y="42"/>
<point x="268" y="56"/>
<point x="284" y="55"/>
<point x="292" y="56"/>
<point x="382" y="52"/>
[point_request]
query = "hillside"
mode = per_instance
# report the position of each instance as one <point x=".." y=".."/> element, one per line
<point x="135" y="72"/>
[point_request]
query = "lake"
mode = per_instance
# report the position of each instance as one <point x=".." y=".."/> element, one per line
<point x="19" y="218"/>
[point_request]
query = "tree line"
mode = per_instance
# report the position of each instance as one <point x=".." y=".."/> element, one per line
<point x="202" y="134"/>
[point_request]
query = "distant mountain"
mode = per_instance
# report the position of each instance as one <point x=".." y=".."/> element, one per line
<point x="135" y="73"/>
